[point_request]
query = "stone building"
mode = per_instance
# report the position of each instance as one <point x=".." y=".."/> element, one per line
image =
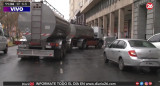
<point x="146" y="22"/>
<point x="121" y="18"/>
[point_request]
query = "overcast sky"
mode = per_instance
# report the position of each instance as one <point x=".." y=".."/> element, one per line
<point x="62" y="6"/>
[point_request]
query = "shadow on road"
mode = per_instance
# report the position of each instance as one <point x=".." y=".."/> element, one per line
<point x="133" y="70"/>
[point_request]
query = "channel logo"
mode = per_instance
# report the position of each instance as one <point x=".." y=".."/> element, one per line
<point x="16" y="9"/>
<point x="144" y="83"/>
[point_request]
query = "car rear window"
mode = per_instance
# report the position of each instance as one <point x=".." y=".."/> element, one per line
<point x="140" y="43"/>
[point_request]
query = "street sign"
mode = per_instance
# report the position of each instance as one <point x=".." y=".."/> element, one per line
<point x="149" y="6"/>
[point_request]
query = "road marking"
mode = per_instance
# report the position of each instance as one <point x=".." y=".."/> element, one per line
<point x="61" y="71"/>
<point x="61" y="62"/>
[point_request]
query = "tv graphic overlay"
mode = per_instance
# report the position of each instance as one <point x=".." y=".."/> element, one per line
<point x="78" y="83"/>
<point x="149" y="6"/>
<point x="16" y="7"/>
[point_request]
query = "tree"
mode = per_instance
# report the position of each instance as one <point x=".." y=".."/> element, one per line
<point x="8" y="19"/>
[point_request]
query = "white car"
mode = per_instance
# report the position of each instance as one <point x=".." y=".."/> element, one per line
<point x="3" y="41"/>
<point x="155" y="40"/>
<point x="133" y="52"/>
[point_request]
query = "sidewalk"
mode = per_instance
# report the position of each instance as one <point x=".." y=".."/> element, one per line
<point x="10" y="43"/>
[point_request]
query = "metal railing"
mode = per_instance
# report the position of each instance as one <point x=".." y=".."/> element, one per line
<point x="54" y="9"/>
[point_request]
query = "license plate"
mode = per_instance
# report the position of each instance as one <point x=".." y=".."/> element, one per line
<point x="150" y="64"/>
<point x="22" y="45"/>
<point x="47" y="46"/>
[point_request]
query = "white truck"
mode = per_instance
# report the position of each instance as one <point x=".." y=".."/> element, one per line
<point x="3" y="41"/>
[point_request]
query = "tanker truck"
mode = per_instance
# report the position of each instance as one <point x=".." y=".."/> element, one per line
<point x="44" y="32"/>
<point x="83" y="36"/>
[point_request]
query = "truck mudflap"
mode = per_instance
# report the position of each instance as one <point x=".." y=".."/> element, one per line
<point x="33" y="52"/>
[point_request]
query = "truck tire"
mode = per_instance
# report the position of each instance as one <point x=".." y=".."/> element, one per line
<point x="6" y="50"/>
<point x="84" y="46"/>
<point x="59" y="54"/>
<point x="69" y="50"/>
<point x="99" y="45"/>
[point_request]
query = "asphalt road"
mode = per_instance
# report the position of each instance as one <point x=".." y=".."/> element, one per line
<point x="87" y="65"/>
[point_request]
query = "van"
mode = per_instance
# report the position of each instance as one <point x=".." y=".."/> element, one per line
<point x="3" y="41"/>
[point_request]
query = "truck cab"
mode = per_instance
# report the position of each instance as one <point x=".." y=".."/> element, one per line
<point x="3" y="41"/>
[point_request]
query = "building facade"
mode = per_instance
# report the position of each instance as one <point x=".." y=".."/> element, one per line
<point x="75" y="6"/>
<point x="120" y="18"/>
<point x="146" y="22"/>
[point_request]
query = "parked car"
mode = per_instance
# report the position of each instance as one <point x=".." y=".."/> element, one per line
<point x="133" y="52"/>
<point x="155" y="40"/>
<point x="3" y="41"/>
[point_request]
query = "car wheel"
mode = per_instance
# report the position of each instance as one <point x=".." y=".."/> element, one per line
<point x="121" y="64"/>
<point x="6" y="50"/>
<point x="105" y="58"/>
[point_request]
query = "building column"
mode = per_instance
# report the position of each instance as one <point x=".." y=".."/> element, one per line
<point x="121" y="23"/>
<point x="105" y="24"/>
<point x="92" y="23"/>
<point x="99" y="22"/>
<point x="132" y="29"/>
<point x="95" y="22"/>
<point x="111" y="25"/>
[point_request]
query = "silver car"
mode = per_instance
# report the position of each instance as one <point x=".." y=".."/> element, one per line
<point x="155" y="40"/>
<point x="133" y="52"/>
<point x="3" y="41"/>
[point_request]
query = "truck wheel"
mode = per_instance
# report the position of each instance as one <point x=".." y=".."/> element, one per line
<point x="69" y="50"/>
<point x="6" y="50"/>
<point x="84" y="46"/>
<point x="59" y="54"/>
<point x="99" y="45"/>
<point x="87" y="47"/>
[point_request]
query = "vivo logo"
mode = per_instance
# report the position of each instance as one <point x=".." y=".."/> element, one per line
<point x="16" y="9"/>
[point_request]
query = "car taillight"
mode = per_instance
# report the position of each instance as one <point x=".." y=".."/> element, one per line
<point x="57" y="44"/>
<point x="51" y="44"/>
<point x="132" y="53"/>
<point x="17" y="42"/>
<point x="54" y="44"/>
